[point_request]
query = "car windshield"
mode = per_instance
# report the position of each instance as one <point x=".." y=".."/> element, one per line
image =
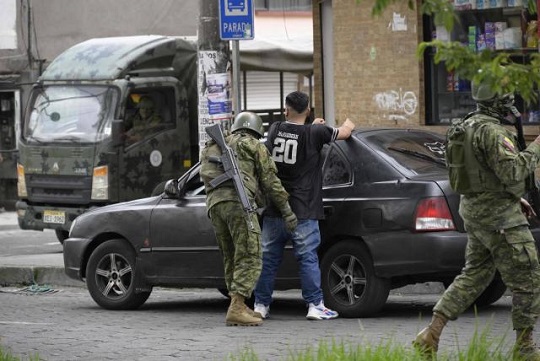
<point x="419" y="151"/>
<point x="71" y="114"/>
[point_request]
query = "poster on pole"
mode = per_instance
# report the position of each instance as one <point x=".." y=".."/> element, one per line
<point x="215" y="98"/>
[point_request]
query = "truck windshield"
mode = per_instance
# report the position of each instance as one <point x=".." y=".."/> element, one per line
<point x="71" y="114"/>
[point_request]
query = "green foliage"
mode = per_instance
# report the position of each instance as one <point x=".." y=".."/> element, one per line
<point x="5" y="355"/>
<point x="483" y="346"/>
<point x="493" y="67"/>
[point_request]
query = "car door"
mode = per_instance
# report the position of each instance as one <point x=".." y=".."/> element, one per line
<point x="184" y="248"/>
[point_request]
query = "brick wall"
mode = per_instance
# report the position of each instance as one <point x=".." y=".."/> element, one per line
<point x="378" y="76"/>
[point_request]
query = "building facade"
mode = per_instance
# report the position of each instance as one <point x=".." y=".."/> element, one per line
<point x="367" y="68"/>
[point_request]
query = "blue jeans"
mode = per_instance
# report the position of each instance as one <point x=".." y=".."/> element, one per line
<point x="305" y="240"/>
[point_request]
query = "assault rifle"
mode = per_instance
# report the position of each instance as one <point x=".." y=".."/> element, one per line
<point x="533" y="195"/>
<point x="232" y="171"/>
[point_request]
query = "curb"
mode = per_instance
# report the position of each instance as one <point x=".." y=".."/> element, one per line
<point x="26" y="275"/>
<point x="9" y="227"/>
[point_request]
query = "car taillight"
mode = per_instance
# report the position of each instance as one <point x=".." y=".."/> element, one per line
<point x="433" y="214"/>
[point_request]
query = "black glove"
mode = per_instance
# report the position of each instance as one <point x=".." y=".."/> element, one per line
<point x="290" y="218"/>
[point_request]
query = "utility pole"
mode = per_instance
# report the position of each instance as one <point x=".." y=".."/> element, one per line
<point x="214" y="69"/>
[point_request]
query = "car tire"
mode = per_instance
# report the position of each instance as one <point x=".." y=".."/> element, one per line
<point x="61" y="235"/>
<point x="492" y="293"/>
<point x="349" y="283"/>
<point x="111" y="276"/>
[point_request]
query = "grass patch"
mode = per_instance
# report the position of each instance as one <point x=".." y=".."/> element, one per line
<point x="481" y="347"/>
<point x="6" y="355"/>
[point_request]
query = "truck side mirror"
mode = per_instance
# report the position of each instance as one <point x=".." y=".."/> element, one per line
<point x="117" y="132"/>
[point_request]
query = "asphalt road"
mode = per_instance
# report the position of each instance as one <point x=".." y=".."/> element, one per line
<point x="65" y="323"/>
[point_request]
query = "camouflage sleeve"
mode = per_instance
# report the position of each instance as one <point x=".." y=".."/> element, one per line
<point x="267" y="172"/>
<point x="502" y="155"/>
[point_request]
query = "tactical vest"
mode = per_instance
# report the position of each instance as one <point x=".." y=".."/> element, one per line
<point x="211" y="170"/>
<point x="467" y="173"/>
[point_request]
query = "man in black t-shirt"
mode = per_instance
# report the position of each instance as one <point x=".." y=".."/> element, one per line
<point x="296" y="149"/>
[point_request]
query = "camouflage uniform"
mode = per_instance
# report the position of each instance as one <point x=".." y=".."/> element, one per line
<point x="142" y="127"/>
<point x="241" y="246"/>
<point x="498" y="234"/>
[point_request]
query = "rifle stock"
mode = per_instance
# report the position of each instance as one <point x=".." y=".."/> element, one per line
<point x="232" y="170"/>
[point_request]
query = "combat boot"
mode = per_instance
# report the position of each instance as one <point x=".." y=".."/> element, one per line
<point x="525" y="348"/>
<point x="253" y="313"/>
<point x="427" y="341"/>
<point x="237" y="314"/>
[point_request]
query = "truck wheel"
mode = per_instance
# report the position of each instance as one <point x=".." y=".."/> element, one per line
<point x="349" y="282"/>
<point x="61" y="235"/>
<point x="111" y="276"/>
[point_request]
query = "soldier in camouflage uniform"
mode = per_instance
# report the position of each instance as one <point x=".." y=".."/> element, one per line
<point x="144" y="122"/>
<point x="491" y="176"/>
<point x="239" y="243"/>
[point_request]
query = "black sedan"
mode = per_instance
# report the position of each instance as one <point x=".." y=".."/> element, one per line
<point x="391" y="220"/>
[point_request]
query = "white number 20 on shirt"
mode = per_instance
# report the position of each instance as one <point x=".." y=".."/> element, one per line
<point x="284" y="150"/>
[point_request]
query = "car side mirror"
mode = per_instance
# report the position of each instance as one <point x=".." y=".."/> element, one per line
<point x="117" y="130"/>
<point x="171" y="188"/>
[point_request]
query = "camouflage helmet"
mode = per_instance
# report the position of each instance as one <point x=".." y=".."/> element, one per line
<point x="146" y="103"/>
<point x="489" y="99"/>
<point x="249" y="121"/>
<point x="482" y="92"/>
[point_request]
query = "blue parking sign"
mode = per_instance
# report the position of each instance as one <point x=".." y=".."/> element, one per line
<point x="236" y="19"/>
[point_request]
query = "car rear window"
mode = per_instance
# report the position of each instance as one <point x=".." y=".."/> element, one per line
<point x="419" y="151"/>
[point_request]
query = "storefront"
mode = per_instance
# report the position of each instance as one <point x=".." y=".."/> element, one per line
<point x="370" y="70"/>
<point x="499" y="25"/>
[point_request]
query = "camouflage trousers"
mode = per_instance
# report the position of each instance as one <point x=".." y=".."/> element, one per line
<point x="513" y="253"/>
<point x="240" y="246"/>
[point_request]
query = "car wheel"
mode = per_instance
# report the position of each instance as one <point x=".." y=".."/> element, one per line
<point x="224" y="292"/>
<point x="111" y="276"/>
<point x="492" y="293"/>
<point x="349" y="282"/>
<point x="61" y="235"/>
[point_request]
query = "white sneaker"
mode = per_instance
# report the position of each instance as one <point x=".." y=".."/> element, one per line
<point x="262" y="310"/>
<point x="320" y="312"/>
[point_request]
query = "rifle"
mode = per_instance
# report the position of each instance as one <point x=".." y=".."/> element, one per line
<point x="232" y="171"/>
<point x="534" y="196"/>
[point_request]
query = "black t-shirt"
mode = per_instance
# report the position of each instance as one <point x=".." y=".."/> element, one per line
<point x="296" y="150"/>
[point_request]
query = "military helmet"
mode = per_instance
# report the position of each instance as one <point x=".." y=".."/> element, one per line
<point x="249" y="121"/>
<point x="492" y="101"/>
<point x="146" y="103"/>
<point x="482" y="92"/>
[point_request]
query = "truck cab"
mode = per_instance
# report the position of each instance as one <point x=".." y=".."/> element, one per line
<point x="77" y="148"/>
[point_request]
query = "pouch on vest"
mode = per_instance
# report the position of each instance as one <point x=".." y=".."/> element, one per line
<point x="455" y="158"/>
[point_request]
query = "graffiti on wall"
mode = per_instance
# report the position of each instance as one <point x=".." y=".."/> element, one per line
<point x="398" y="105"/>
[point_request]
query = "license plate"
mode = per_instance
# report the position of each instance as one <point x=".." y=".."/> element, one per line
<point x="58" y="217"/>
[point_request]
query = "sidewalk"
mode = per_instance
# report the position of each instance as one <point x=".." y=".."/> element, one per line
<point x="38" y="269"/>
<point x="8" y="220"/>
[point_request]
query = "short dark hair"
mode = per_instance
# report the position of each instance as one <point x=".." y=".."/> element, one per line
<point x="298" y="101"/>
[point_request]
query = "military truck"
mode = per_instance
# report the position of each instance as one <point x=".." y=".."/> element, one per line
<point x="9" y="121"/>
<point x="74" y="152"/>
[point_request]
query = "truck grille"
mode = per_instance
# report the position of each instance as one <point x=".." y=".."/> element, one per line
<point x="59" y="189"/>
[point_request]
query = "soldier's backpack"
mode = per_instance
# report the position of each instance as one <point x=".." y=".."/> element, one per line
<point x="463" y="167"/>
